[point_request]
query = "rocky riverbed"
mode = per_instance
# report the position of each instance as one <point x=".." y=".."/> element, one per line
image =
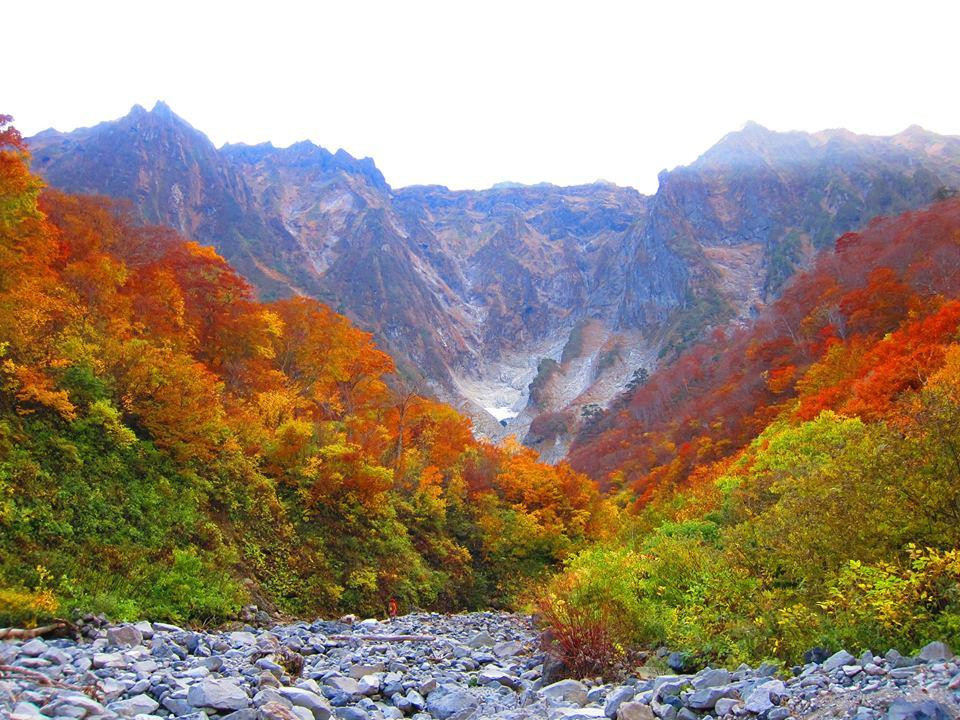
<point x="430" y="667"/>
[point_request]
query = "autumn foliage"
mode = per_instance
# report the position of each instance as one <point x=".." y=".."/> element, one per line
<point x="171" y="446"/>
<point x="795" y="482"/>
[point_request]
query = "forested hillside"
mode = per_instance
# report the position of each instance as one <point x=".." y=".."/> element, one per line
<point x="171" y="447"/>
<point x="796" y="483"/>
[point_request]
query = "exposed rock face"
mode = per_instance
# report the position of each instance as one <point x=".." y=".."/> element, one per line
<point x="520" y="303"/>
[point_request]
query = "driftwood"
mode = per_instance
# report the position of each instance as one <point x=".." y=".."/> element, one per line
<point x="385" y="638"/>
<point x="8" y="671"/>
<point x="29" y="633"/>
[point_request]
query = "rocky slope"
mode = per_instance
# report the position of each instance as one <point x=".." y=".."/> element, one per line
<point x="462" y="667"/>
<point x="520" y="304"/>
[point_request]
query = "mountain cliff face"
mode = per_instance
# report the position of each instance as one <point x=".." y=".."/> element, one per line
<point x="526" y="305"/>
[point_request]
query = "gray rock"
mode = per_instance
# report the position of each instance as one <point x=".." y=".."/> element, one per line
<point x="760" y="699"/>
<point x="358" y="671"/>
<point x="483" y="639"/>
<point x="277" y="711"/>
<point x="345" y="685"/>
<point x="312" y="701"/>
<point x="492" y="674"/>
<point x="706" y="698"/>
<point x="507" y="649"/>
<point x="725" y="706"/>
<point x="903" y="709"/>
<point x="351" y="713"/>
<point x="637" y="711"/>
<point x="136" y="705"/>
<point x="217" y="695"/>
<point x="124" y="636"/>
<point x="935" y="652"/>
<point x="245" y="714"/>
<point x="369" y="684"/>
<point x="444" y="704"/>
<point x="677" y="661"/>
<point x="571" y="691"/>
<point x="778" y="713"/>
<point x="34" y="648"/>
<point x="838" y="660"/>
<point x="711" y="678"/>
<point x="616" y="698"/>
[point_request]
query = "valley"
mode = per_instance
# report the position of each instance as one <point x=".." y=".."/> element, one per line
<point x="517" y="304"/>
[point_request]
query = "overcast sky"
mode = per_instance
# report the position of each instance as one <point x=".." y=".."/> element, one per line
<point x="467" y="94"/>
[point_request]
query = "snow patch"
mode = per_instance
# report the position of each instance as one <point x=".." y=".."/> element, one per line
<point x="502" y="413"/>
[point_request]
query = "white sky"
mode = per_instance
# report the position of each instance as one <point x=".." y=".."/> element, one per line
<point x="471" y="93"/>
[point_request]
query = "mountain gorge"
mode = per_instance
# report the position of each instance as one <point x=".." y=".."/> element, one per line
<point x="527" y="305"/>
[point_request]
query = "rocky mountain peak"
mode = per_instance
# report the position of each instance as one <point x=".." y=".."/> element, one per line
<point x="522" y="303"/>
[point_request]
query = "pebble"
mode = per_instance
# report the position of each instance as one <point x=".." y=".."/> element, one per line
<point x="474" y="666"/>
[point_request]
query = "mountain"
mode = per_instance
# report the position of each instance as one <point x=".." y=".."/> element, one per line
<point x="527" y="305"/>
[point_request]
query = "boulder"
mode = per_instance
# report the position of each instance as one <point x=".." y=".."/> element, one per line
<point x="903" y="709"/>
<point x="136" y="705"/>
<point x="444" y="703"/>
<point x="935" y="652"/>
<point x="706" y="698"/>
<point x="276" y="711"/>
<point x="572" y="691"/>
<point x="314" y="702"/>
<point x="616" y="698"/>
<point x="760" y="700"/>
<point x="635" y="711"/>
<point x="124" y="636"/>
<point x="217" y="695"/>
<point x="838" y="660"/>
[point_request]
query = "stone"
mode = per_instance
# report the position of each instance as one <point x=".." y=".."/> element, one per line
<point x="725" y="706"/>
<point x="778" y="713"/>
<point x="902" y="709"/>
<point x="677" y="661"/>
<point x="218" y="695"/>
<point x="705" y="699"/>
<point x="480" y="640"/>
<point x="572" y="691"/>
<point x="635" y="711"/>
<point x="711" y="678"/>
<point x="244" y="714"/>
<point x="312" y="701"/>
<point x="760" y="700"/>
<point x="507" y="649"/>
<point x="241" y="638"/>
<point x="358" y="671"/>
<point x="616" y="698"/>
<point x="276" y="711"/>
<point x="686" y="714"/>
<point x="351" y="713"/>
<point x="492" y="674"/>
<point x="34" y="648"/>
<point x="415" y="701"/>
<point x="554" y="669"/>
<point x="369" y="685"/>
<point x="345" y="685"/>
<point x="851" y="670"/>
<point x="838" y="660"/>
<point x="268" y="695"/>
<point x="124" y="636"/>
<point x="935" y="652"/>
<point x="137" y="705"/>
<point x="427" y="686"/>
<point x="448" y="703"/>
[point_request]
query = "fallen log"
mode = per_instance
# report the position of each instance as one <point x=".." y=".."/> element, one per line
<point x="385" y="638"/>
<point x="30" y="633"/>
<point x="10" y="671"/>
